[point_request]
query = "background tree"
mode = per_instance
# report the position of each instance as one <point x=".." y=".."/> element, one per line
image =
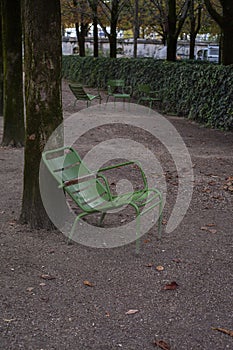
<point x="42" y="32"/>
<point x="195" y="11"/>
<point x="1" y="64"/>
<point x="176" y="19"/>
<point x="222" y="12"/>
<point x="13" y="109"/>
<point x="94" y="7"/>
<point x="109" y="16"/>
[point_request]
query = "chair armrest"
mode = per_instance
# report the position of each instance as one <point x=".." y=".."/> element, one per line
<point x="77" y="180"/>
<point x="133" y="162"/>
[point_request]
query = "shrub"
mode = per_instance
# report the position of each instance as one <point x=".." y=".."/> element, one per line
<point x="197" y="90"/>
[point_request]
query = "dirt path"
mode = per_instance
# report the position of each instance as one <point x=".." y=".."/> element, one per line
<point x="45" y="303"/>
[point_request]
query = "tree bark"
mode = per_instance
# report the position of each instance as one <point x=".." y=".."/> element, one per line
<point x="13" y="110"/>
<point x="227" y="48"/>
<point x="225" y="21"/>
<point x="81" y="34"/>
<point x="174" y="27"/>
<point x="1" y="64"/>
<point x="195" y="25"/>
<point x="171" y="38"/>
<point x="42" y="34"/>
<point x="136" y="30"/>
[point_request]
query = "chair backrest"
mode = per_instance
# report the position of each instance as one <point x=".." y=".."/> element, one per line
<point x="144" y="89"/>
<point x="115" y="85"/>
<point x="67" y="167"/>
<point x="79" y="91"/>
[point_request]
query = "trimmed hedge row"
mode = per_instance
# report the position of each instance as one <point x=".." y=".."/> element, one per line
<point x="202" y="92"/>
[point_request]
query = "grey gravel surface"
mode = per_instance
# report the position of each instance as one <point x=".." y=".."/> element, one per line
<point x="46" y="302"/>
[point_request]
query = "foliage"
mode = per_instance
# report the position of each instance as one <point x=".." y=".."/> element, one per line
<point x="197" y="90"/>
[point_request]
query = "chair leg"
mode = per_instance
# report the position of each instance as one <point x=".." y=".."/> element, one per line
<point x="160" y="219"/>
<point x="74" y="226"/>
<point x="102" y="218"/>
<point x="137" y="233"/>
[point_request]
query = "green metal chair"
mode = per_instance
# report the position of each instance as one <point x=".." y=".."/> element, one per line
<point x="81" y="94"/>
<point x="147" y="95"/>
<point x="91" y="190"/>
<point x="118" y="90"/>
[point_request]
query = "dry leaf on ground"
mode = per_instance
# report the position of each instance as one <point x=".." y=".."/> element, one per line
<point x="171" y="286"/>
<point x="211" y="230"/>
<point x="149" y="265"/>
<point x="162" y="345"/>
<point x="88" y="283"/>
<point x="47" y="277"/>
<point x="132" y="312"/>
<point x="159" y="268"/>
<point x="225" y="331"/>
<point x="9" y="320"/>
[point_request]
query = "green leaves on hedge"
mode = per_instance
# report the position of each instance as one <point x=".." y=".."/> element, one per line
<point x="200" y="91"/>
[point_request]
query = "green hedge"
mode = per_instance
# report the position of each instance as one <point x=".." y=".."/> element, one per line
<point x="202" y="92"/>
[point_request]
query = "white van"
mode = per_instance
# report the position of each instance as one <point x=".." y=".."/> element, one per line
<point x="211" y="53"/>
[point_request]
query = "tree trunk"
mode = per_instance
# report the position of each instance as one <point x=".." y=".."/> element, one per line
<point x="227" y="49"/>
<point x="136" y="30"/>
<point x="1" y="65"/>
<point x="95" y="37"/>
<point x="43" y="98"/>
<point x="13" y="111"/>
<point x="95" y="28"/>
<point x="171" y="38"/>
<point x="112" y="45"/>
<point x="225" y="21"/>
<point x="81" y="35"/>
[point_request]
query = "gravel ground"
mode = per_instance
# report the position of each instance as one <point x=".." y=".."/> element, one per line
<point x="68" y="297"/>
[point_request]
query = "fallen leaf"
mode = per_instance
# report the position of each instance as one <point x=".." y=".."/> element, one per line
<point x="159" y="268"/>
<point x="132" y="312"/>
<point x="149" y="265"/>
<point x="87" y="283"/>
<point x="210" y="225"/>
<point x="206" y="190"/>
<point x="107" y="314"/>
<point x="146" y="240"/>
<point x="211" y="183"/>
<point x="9" y="320"/>
<point x="47" y="277"/>
<point x="223" y="330"/>
<point x="171" y="286"/>
<point x="30" y="289"/>
<point x="212" y="230"/>
<point x="42" y="284"/>
<point x="162" y="344"/>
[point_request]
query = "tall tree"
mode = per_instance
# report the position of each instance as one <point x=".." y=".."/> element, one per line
<point x="79" y="14"/>
<point x="1" y="64"/>
<point x="195" y="25"/>
<point x="110" y="16"/>
<point x="13" y="109"/>
<point x="94" y="6"/>
<point x="222" y="12"/>
<point x="42" y="32"/>
<point x="175" y="24"/>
